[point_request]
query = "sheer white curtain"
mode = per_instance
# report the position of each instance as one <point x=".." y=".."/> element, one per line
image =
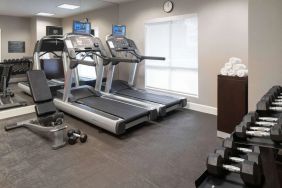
<point x="176" y="39"/>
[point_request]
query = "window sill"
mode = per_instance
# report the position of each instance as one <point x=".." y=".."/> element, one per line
<point x="172" y="92"/>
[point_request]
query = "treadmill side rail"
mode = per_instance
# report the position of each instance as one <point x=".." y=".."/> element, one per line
<point x="114" y="125"/>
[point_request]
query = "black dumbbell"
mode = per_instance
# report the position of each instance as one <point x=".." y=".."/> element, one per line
<point x="73" y="135"/>
<point x="226" y="154"/>
<point x="253" y="117"/>
<point x="275" y="133"/>
<point x="251" y="127"/>
<point x="275" y="91"/>
<point x="249" y="171"/>
<point x="271" y="101"/>
<point x="266" y="105"/>
<point x="230" y="144"/>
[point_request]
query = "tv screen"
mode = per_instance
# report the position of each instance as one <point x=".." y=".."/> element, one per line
<point x="54" y="30"/>
<point x="119" y="30"/>
<point x="81" y="27"/>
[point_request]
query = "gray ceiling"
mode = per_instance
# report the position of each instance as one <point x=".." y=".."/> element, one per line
<point x="30" y="7"/>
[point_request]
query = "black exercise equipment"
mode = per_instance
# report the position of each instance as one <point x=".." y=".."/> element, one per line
<point x="52" y="45"/>
<point x="229" y="143"/>
<point x="88" y="103"/>
<point x="123" y="47"/>
<point x="254" y="118"/>
<point x="7" y="97"/>
<point x="19" y="66"/>
<point x="49" y="122"/>
<point x="251" y="127"/>
<point x="249" y="171"/>
<point x="73" y="135"/>
<point x="275" y="133"/>
<point x="227" y="155"/>
<point x="271" y="101"/>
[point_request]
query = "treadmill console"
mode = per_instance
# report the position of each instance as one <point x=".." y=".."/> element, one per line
<point x="76" y="43"/>
<point x="121" y="44"/>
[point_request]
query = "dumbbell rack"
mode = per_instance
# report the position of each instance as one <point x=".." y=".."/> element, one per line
<point x="271" y="154"/>
<point x="233" y="180"/>
<point x="19" y="68"/>
<point x="262" y="142"/>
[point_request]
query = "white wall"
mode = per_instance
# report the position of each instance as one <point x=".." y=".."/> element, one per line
<point x="15" y="29"/>
<point x="38" y="27"/>
<point x="223" y="33"/>
<point x="265" y="47"/>
<point x="42" y="22"/>
<point x="23" y="29"/>
<point x="101" y="18"/>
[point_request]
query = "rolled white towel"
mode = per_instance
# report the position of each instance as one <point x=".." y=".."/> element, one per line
<point x="235" y="60"/>
<point x="228" y="65"/>
<point x="231" y="72"/>
<point x="224" y="71"/>
<point x="242" y="73"/>
<point x="240" y="66"/>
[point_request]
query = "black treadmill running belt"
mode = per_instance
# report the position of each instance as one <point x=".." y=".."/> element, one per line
<point x="146" y="96"/>
<point x="124" y="111"/>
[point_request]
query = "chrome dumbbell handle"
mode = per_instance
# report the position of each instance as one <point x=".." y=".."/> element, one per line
<point x="267" y="124"/>
<point x="275" y="108"/>
<point x="263" y="129"/>
<point x="231" y="168"/>
<point x="277" y="103"/>
<point x="244" y="150"/>
<point x="236" y="159"/>
<point x="258" y="133"/>
<point x="278" y="100"/>
<point x="271" y="119"/>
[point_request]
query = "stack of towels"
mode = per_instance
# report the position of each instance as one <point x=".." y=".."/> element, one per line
<point x="234" y="67"/>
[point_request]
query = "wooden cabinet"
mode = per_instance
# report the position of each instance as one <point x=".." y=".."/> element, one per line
<point x="232" y="102"/>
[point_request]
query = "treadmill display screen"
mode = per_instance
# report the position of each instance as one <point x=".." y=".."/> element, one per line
<point x="82" y="42"/>
<point x="119" y="30"/>
<point x="81" y="27"/>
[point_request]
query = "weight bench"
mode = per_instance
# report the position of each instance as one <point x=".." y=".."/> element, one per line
<point x="49" y="122"/>
<point x="7" y="97"/>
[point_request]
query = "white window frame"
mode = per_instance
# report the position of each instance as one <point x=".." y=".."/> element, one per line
<point x="168" y="19"/>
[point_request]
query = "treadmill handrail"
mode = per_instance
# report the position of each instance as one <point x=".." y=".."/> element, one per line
<point x="142" y="57"/>
<point x="76" y="62"/>
<point x="106" y="60"/>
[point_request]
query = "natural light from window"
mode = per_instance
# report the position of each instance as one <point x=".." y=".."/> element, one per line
<point x="176" y="39"/>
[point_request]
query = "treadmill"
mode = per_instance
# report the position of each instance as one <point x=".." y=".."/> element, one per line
<point x="53" y="67"/>
<point x="88" y="103"/>
<point x="122" y="47"/>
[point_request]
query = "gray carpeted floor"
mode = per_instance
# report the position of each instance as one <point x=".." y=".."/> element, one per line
<point x="170" y="153"/>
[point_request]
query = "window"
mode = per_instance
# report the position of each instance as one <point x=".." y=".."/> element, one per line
<point x="176" y="39"/>
<point x="85" y="71"/>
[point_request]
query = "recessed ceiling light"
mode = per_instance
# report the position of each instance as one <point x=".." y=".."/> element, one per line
<point x="44" y="14"/>
<point x="68" y="6"/>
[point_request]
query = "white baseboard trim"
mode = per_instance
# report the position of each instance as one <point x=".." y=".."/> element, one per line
<point x="223" y="135"/>
<point x="16" y="112"/>
<point x="202" y="108"/>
